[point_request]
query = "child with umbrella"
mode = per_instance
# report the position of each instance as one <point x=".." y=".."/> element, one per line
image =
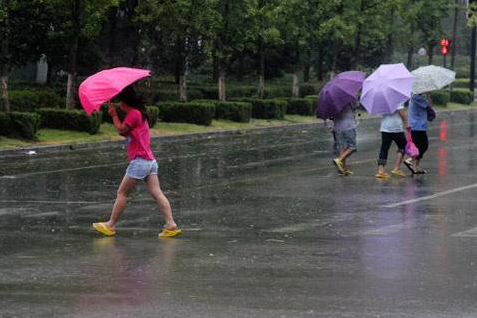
<point x="102" y="87"/>
<point x="392" y="129"/>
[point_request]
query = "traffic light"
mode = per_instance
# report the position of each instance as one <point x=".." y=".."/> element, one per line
<point x="444" y="46"/>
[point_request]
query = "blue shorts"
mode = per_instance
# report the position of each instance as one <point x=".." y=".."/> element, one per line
<point x="347" y="139"/>
<point x="139" y="168"/>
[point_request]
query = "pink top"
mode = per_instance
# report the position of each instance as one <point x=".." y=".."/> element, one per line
<point x="138" y="136"/>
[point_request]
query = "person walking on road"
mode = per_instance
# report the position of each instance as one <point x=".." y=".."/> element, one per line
<point x="418" y="116"/>
<point x="344" y="128"/>
<point x="392" y="129"/>
<point x="142" y="165"/>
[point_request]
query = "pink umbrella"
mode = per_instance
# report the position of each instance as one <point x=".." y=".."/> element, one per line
<point x="102" y="86"/>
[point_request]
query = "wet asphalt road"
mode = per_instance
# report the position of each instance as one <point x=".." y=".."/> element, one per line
<point x="270" y="230"/>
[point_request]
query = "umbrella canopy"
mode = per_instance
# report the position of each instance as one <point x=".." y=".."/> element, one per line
<point x="431" y="78"/>
<point x="339" y="92"/>
<point x="387" y="88"/>
<point x="102" y="86"/>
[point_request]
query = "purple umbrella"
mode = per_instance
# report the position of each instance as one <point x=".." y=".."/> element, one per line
<point x="339" y="92"/>
<point x="387" y="88"/>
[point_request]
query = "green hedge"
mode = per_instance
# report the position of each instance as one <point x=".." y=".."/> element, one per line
<point x="70" y="120"/>
<point x="191" y="112"/>
<point x="267" y="108"/>
<point x="461" y="96"/>
<point x="440" y="97"/>
<point x="30" y="100"/>
<point x="234" y="111"/>
<point x="4" y="123"/>
<point x="300" y="106"/>
<point x="20" y="125"/>
<point x="278" y="91"/>
<point x="461" y="83"/>
<point x="23" y="100"/>
<point x="307" y="89"/>
<point x="50" y="99"/>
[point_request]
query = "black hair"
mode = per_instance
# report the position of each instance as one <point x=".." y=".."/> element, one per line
<point x="129" y="97"/>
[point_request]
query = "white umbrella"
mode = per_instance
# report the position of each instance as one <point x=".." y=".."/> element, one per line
<point x="431" y="78"/>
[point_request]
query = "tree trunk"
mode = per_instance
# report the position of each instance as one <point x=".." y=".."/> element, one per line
<point x="261" y="75"/>
<point x="221" y="82"/>
<point x="295" y="87"/>
<point x="4" y="59"/>
<point x="73" y="55"/>
<point x="183" y="83"/>
<point x="357" y="39"/>
<point x="410" y="57"/>
<point x="430" y="53"/>
<point x="113" y="30"/>
<point x="389" y="47"/>
<point x="4" y="102"/>
<point x="307" y="66"/>
<point x="215" y="65"/>
<point x="454" y="34"/>
<point x="319" y="68"/>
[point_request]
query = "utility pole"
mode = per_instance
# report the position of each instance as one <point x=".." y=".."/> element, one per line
<point x="454" y="34"/>
<point x="472" y="21"/>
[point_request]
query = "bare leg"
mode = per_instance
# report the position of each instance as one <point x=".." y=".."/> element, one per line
<point x="381" y="169"/>
<point x="125" y="188"/>
<point x="154" y="188"/>
<point x="399" y="159"/>
<point x="345" y="153"/>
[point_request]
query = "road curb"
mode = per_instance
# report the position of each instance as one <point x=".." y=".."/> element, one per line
<point x="193" y="136"/>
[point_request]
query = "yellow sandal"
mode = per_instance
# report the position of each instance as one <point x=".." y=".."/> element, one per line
<point x="170" y="232"/>
<point x="102" y="228"/>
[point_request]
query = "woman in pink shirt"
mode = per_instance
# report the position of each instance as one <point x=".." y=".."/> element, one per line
<point x="142" y="165"/>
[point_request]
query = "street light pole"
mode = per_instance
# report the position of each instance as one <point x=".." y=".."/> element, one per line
<point x="472" y="61"/>
<point x="471" y="21"/>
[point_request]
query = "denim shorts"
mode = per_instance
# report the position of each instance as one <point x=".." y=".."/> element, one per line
<point x="140" y="168"/>
<point x="347" y="139"/>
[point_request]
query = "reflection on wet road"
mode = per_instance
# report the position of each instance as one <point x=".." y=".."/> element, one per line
<point x="270" y="231"/>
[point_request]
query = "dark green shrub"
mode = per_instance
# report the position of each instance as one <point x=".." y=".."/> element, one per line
<point x="461" y="83"/>
<point x="193" y="93"/>
<point x="300" y="106"/>
<point x="462" y="72"/>
<point x="312" y="97"/>
<point x="461" y="96"/>
<point x="191" y="112"/>
<point x="70" y="120"/>
<point x="152" y="115"/>
<point x="209" y="92"/>
<point x="23" y="125"/>
<point x="440" y="97"/>
<point x="23" y="100"/>
<point x="307" y="89"/>
<point x="241" y="91"/>
<point x="234" y="111"/>
<point x="278" y="91"/>
<point x="165" y="95"/>
<point x="49" y="99"/>
<point x="4" y="123"/>
<point x="267" y="108"/>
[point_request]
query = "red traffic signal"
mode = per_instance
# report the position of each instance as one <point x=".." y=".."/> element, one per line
<point x="444" y="46"/>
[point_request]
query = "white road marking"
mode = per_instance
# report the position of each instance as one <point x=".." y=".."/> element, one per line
<point x="468" y="233"/>
<point x="50" y="202"/>
<point x="429" y="197"/>
<point x="23" y="175"/>
<point x="390" y="229"/>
